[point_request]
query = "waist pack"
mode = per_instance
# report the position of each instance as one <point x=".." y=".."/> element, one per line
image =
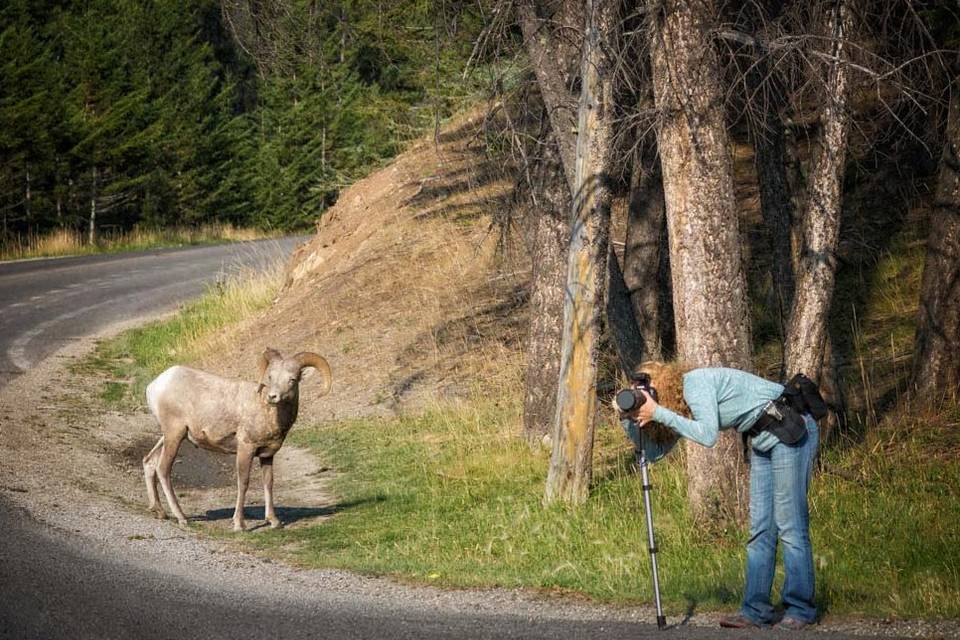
<point x="783" y="417"/>
<point x="802" y="394"/>
<point x="780" y="419"/>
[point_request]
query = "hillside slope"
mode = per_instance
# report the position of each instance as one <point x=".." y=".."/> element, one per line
<point x="405" y="288"/>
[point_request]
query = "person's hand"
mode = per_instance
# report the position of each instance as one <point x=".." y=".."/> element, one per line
<point x="645" y="411"/>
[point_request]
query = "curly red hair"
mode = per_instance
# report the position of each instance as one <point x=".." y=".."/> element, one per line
<point x="667" y="379"/>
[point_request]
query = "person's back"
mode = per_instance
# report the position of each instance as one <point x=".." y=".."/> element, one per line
<point x="721" y="398"/>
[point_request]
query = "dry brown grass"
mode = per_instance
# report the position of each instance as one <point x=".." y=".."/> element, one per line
<point x="405" y="288"/>
<point x="70" y="242"/>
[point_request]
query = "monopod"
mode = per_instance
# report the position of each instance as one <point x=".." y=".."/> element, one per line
<point x="644" y="474"/>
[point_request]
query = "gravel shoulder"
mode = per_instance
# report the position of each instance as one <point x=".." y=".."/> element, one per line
<point x="69" y="465"/>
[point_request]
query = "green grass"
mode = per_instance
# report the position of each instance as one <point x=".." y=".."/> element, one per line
<point x="132" y="359"/>
<point x="70" y="242"/>
<point x="453" y="497"/>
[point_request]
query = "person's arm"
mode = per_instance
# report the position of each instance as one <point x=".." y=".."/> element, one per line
<point x="701" y="399"/>
<point x="700" y="431"/>
<point x="653" y="451"/>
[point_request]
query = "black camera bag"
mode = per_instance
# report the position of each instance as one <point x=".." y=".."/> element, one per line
<point x="791" y="428"/>
<point x="803" y="395"/>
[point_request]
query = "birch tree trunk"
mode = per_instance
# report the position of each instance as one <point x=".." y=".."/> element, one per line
<point x="552" y="229"/>
<point x="570" y="470"/>
<point x="28" y="200"/>
<point x="936" y="365"/>
<point x="807" y="331"/>
<point x="709" y="287"/>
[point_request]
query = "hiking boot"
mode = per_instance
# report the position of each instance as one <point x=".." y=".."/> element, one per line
<point x="738" y="621"/>
<point x="791" y="624"/>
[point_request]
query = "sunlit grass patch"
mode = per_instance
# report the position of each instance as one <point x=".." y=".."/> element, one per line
<point x="71" y="242"/>
<point x="453" y="496"/>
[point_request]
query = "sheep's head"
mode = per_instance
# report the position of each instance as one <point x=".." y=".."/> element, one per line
<point x="281" y="376"/>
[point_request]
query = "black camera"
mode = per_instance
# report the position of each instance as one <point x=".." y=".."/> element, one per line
<point x="629" y="399"/>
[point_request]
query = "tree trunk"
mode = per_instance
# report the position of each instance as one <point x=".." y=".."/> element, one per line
<point x="776" y="207"/>
<point x="550" y="57"/>
<point x="92" y="231"/>
<point x="646" y="261"/>
<point x="571" y="461"/>
<point x="936" y="365"/>
<point x="552" y="229"/>
<point x="807" y="331"/>
<point x="621" y="322"/>
<point x="709" y="286"/>
<point x="28" y="199"/>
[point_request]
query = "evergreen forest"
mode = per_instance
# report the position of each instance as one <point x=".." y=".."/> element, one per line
<point x="119" y="113"/>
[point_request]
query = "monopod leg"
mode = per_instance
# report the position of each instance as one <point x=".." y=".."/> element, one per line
<point x="642" y="461"/>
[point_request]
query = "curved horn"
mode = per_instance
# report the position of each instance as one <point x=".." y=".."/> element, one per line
<point x="309" y="359"/>
<point x="266" y="358"/>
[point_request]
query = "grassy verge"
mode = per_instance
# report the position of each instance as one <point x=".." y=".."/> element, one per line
<point x="452" y="497"/>
<point x="133" y="358"/>
<point x="68" y="242"/>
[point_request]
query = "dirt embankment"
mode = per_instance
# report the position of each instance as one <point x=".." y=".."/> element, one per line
<point x="404" y="288"/>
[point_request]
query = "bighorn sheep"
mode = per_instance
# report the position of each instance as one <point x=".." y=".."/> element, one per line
<point x="229" y="416"/>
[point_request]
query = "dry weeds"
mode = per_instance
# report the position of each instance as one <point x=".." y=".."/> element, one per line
<point x="403" y="289"/>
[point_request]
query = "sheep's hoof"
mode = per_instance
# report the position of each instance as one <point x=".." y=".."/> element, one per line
<point x="238" y="526"/>
<point x="276" y="524"/>
<point x="158" y="513"/>
<point x="183" y="524"/>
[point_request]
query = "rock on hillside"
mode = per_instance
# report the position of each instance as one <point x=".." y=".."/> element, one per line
<point x="403" y="288"/>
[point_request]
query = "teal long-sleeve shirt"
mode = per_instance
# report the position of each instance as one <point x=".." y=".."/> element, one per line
<point x="719" y="398"/>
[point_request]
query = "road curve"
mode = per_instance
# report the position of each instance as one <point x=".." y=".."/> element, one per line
<point x="56" y="585"/>
<point x="44" y="303"/>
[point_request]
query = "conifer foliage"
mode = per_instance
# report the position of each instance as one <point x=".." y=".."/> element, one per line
<point x="115" y="113"/>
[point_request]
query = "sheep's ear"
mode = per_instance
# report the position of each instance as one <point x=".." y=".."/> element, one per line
<point x="268" y="356"/>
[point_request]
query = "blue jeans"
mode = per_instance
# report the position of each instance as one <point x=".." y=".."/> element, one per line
<point x="778" y="509"/>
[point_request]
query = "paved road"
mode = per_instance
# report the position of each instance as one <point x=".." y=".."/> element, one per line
<point x="70" y="592"/>
<point x="44" y="303"/>
<point x="54" y="585"/>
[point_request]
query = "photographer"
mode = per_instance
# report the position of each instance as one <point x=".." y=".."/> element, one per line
<point x="697" y="404"/>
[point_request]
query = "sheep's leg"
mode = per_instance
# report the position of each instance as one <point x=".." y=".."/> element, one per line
<point x="266" y="470"/>
<point x="150" y="477"/>
<point x="171" y="446"/>
<point x="244" y="461"/>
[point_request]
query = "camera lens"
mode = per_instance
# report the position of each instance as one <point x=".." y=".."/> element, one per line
<point x="627" y="400"/>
